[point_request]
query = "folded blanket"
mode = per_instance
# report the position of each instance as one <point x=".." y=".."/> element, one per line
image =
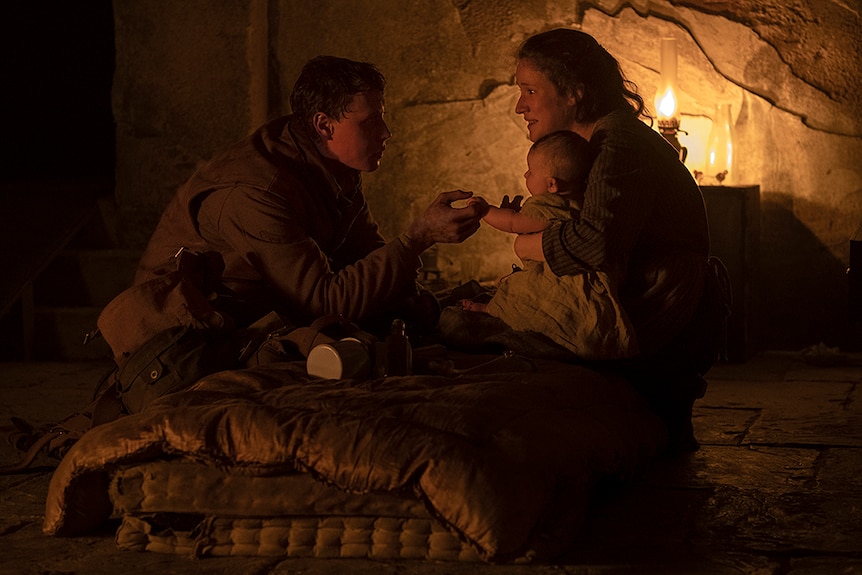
<point x="505" y="460"/>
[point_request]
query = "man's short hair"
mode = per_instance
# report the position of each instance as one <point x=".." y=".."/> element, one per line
<point x="327" y="84"/>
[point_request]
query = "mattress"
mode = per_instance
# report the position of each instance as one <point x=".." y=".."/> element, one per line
<point x="189" y="508"/>
<point x="497" y="466"/>
<point x="323" y="537"/>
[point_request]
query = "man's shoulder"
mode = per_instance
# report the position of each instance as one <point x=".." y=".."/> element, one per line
<point x="257" y="161"/>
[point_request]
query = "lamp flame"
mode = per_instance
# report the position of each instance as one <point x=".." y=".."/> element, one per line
<point x="665" y="98"/>
<point x="666" y="106"/>
<point x="666" y="102"/>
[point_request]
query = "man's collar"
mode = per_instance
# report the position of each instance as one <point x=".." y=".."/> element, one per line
<point x="343" y="180"/>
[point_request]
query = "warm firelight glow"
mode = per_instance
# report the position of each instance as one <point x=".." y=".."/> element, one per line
<point x="666" y="101"/>
<point x="666" y="104"/>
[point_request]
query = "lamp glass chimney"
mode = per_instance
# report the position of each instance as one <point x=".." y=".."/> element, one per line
<point x="719" y="147"/>
<point x="666" y="102"/>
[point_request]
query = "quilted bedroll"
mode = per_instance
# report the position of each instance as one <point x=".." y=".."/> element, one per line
<point x="506" y="461"/>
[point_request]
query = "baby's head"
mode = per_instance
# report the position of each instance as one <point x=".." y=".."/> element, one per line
<point x="558" y="162"/>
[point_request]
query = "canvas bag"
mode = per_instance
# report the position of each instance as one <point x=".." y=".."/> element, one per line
<point x="177" y="294"/>
<point x="165" y="336"/>
<point x="164" y="333"/>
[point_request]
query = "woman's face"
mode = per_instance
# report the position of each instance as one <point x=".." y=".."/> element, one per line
<point x="544" y="109"/>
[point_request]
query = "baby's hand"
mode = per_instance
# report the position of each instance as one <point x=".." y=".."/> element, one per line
<point x="514" y="204"/>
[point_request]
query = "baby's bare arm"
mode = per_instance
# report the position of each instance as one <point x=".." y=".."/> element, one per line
<point x="508" y="220"/>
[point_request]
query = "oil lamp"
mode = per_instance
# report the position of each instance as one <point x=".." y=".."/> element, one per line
<point x="666" y="102"/>
<point x="719" y="147"/>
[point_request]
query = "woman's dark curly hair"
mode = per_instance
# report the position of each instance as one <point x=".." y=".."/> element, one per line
<point x="572" y="59"/>
<point x="327" y="84"/>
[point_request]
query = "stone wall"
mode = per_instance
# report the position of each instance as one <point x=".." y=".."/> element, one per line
<point x="193" y="76"/>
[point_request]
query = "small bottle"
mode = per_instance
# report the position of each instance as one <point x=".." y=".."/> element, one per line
<point x="399" y="354"/>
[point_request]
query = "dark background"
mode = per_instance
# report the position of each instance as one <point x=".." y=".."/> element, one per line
<point x="57" y="68"/>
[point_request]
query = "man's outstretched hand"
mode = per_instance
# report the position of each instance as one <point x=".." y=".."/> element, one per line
<point x="442" y="223"/>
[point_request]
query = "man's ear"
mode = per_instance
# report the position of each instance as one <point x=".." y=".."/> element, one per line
<point x="322" y="125"/>
<point x="553" y="185"/>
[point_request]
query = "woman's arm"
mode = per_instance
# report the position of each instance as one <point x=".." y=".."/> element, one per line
<point x="618" y="200"/>
<point x="529" y="247"/>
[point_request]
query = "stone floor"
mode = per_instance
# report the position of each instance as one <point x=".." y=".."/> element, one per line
<point x="774" y="490"/>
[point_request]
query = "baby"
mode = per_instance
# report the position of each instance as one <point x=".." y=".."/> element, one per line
<point x="579" y="312"/>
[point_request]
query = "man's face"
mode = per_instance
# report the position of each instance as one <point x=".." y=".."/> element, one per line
<point x="359" y="138"/>
<point x="543" y="107"/>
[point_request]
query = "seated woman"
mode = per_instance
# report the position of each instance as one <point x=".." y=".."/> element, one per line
<point x="642" y="217"/>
